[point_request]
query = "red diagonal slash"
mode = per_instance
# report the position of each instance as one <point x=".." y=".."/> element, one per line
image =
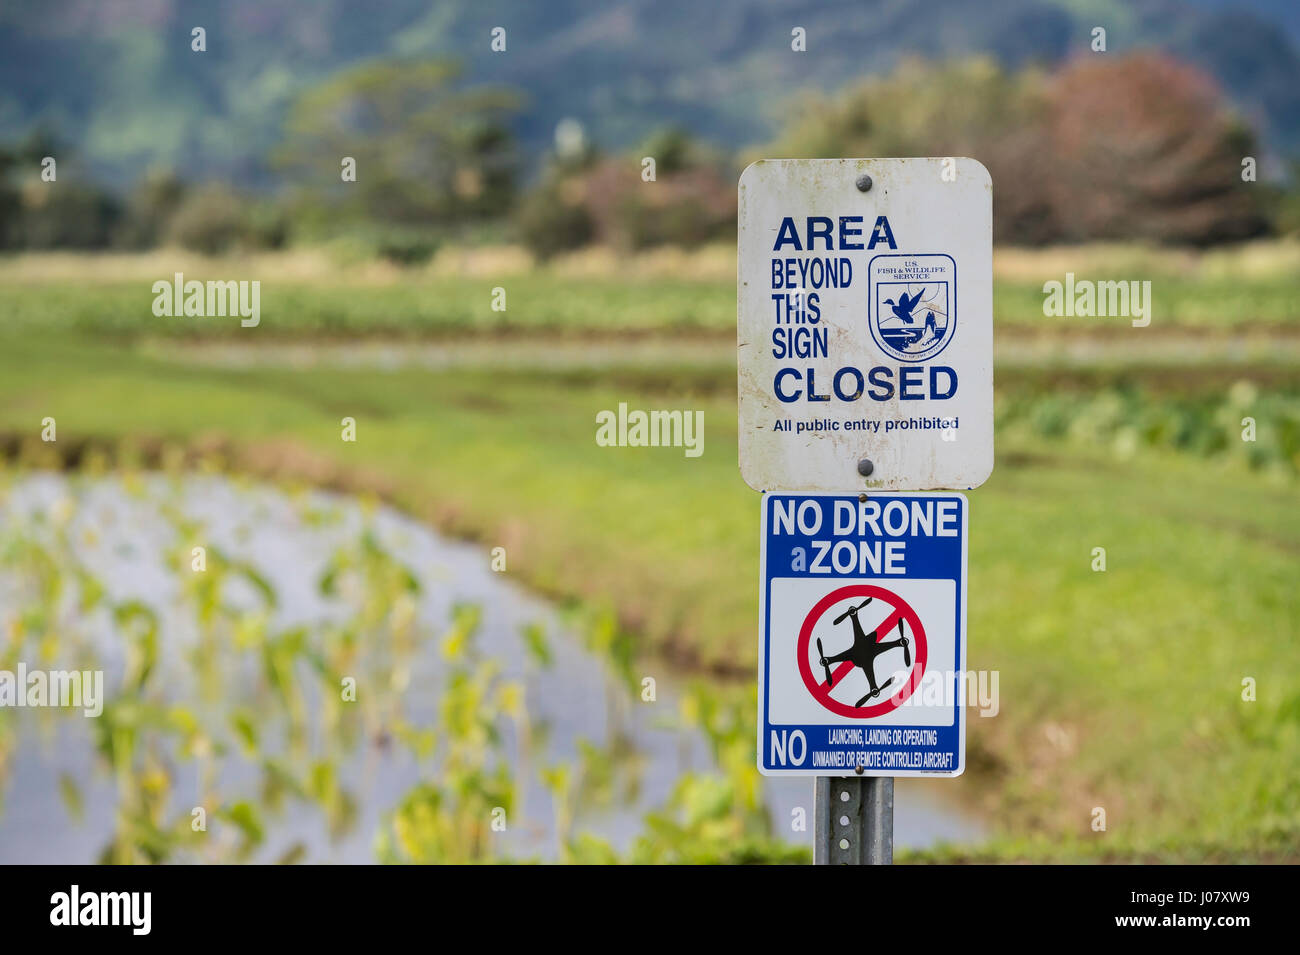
<point x="882" y="629"/>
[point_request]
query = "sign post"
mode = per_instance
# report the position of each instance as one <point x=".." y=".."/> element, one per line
<point x="853" y="821"/>
<point x="865" y="368"/>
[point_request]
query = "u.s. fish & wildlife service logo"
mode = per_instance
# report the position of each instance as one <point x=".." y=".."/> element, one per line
<point x="912" y="302"/>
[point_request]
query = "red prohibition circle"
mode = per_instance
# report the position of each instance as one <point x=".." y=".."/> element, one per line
<point x="822" y="693"/>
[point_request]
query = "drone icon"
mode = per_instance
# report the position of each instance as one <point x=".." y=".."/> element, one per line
<point x="864" y="651"/>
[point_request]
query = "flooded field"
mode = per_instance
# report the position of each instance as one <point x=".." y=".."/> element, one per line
<point x="228" y="619"/>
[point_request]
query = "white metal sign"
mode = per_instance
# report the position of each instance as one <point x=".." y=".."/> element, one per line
<point x="863" y="635"/>
<point x="865" y="324"/>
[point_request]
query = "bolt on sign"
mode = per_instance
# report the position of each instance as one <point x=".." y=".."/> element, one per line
<point x="863" y="623"/>
<point x="865" y="324"/>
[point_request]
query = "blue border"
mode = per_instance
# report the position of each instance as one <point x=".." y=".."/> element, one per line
<point x="951" y="737"/>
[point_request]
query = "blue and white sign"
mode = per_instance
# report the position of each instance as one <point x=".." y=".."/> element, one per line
<point x="863" y="623"/>
<point x="865" y="324"/>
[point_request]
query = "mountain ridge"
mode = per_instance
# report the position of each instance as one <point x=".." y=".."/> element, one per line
<point x="118" y="81"/>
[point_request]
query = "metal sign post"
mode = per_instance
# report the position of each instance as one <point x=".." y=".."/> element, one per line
<point x="862" y="632"/>
<point x="853" y="820"/>
<point x="864" y="317"/>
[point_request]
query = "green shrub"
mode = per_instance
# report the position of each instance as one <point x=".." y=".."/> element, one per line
<point x="215" y="219"/>
<point x="549" y="222"/>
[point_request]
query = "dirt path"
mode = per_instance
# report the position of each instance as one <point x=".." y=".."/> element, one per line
<point x="1134" y="347"/>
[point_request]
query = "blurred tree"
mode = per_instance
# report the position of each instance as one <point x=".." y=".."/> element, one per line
<point x="215" y="218"/>
<point x="611" y="200"/>
<point x="68" y="212"/>
<point x="69" y="215"/>
<point x="149" y="209"/>
<point x="10" y="202"/>
<point x="1143" y="147"/>
<point x="553" y="218"/>
<point x="427" y="151"/>
<point x="672" y="150"/>
<point x="964" y="108"/>
<point x="210" y="220"/>
<point x="1126" y="147"/>
<point x="1286" y="202"/>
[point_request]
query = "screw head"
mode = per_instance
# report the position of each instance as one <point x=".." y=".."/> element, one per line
<point x="864" y="182"/>
<point x="865" y="467"/>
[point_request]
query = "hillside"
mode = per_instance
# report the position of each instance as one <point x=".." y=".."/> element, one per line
<point x="118" y="79"/>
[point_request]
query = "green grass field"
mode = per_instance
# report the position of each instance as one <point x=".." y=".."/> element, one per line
<point x="1233" y="293"/>
<point x="1120" y="689"/>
